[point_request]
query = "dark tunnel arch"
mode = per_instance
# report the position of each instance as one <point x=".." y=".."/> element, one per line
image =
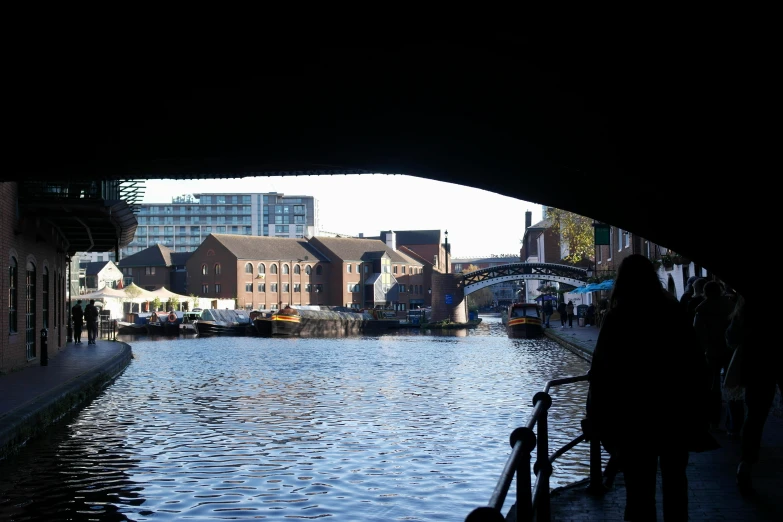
<point x="605" y="137"/>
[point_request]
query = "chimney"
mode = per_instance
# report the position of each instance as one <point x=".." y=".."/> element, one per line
<point x="528" y="219"/>
<point x="391" y="239"/>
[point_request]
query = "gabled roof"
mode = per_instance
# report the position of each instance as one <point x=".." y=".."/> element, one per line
<point x="416" y="237"/>
<point x="94" y="267"/>
<point x="543" y="224"/>
<point x="407" y="251"/>
<point x="180" y="258"/>
<point x="264" y="247"/>
<point x="156" y="255"/>
<point x="362" y="249"/>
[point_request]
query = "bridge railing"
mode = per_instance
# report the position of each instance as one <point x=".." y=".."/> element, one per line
<point x="533" y="501"/>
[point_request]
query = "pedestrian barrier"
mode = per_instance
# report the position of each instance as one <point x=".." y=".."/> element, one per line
<point x="533" y="501"/>
<point x="107" y="329"/>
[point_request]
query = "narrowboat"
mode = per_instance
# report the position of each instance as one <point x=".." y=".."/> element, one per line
<point x="162" y="323"/>
<point x="523" y="321"/>
<point x="223" y="322"/>
<point x="308" y="321"/>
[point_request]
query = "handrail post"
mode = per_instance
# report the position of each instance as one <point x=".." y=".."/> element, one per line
<point x="524" y="505"/>
<point x="596" y="485"/>
<point x="543" y="466"/>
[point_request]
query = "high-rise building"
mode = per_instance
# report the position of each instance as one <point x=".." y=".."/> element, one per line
<point x="185" y="222"/>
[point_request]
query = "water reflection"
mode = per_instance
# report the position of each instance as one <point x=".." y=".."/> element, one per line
<point x="403" y="426"/>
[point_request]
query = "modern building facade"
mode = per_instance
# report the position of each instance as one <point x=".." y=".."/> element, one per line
<point x="188" y="220"/>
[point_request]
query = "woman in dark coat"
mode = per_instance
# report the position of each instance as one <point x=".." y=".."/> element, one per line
<point x="647" y="390"/>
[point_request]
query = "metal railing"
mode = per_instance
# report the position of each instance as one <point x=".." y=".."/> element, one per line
<point x="533" y="501"/>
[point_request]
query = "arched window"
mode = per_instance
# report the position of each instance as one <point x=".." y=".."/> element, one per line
<point x="204" y="270"/>
<point x="248" y="268"/>
<point x="273" y="269"/>
<point x="297" y="270"/>
<point x="286" y="270"/>
<point x="30" y="311"/>
<point x="261" y="268"/>
<point x="308" y="270"/>
<point x="319" y="270"/>
<point x="45" y="296"/>
<point x="217" y="268"/>
<point x="12" y="298"/>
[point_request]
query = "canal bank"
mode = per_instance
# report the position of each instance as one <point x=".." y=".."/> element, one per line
<point x="34" y="398"/>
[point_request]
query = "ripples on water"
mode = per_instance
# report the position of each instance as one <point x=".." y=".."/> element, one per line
<point x="400" y="427"/>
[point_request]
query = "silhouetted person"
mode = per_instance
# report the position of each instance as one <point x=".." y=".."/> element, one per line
<point x="570" y="312"/>
<point x="590" y="315"/>
<point x="711" y="321"/>
<point x="91" y="316"/>
<point x="697" y="298"/>
<point x="647" y="390"/>
<point x="688" y="292"/>
<point x="548" y="311"/>
<point x="561" y="309"/>
<point x="77" y="315"/>
<point x="761" y="373"/>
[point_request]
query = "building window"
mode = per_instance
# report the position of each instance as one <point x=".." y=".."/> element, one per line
<point x="297" y="269"/>
<point x="286" y="288"/>
<point x="319" y="270"/>
<point x="402" y="288"/>
<point x="273" y="287"/>
<point x="353" y="287"/>
<point x="273" y="269"/>
<point x="286" y="269"/>
<point x="366" y="269"/>
<point x="249" y="287"/>
<point x="318" y="288"/>
<point x="248" y="268"/>
<point x="150" y="270"/>
<point x="261" y="287"/>
<point x="297" y="287"/>
<point x="410" y="289"/>
<point x="308" y="270"/>
<point x="217" y="289"/>
<point x="394" y="269"/>
<point x="348" y="268"/>
<point x="205" y="289"/>
<point x="273" y="306"/>
<point x="204" y="270"/>
<point x="30" y="333"/>
<point x="217" y="268"/>
<point x="12" y="300"/>
<point x="308" y="287"/>
<point x="45" y="296"/>
<point x="403" y="269"/>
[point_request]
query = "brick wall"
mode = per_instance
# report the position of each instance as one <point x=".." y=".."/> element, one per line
<point x="32" y="243"/>
<point x="443" y="284"/>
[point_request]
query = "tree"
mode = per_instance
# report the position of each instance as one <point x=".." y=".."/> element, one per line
<point x="131" y="293"/>
<point x="194" y="301"/>
<point x="156" y="304"/>
<point x="576" y="233"/>
<point x="173" y="303"/>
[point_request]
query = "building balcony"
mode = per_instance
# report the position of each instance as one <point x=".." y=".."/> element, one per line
<point x="90" y="217"/>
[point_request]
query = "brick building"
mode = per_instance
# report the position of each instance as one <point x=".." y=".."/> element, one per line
<point x="155" y="267"/>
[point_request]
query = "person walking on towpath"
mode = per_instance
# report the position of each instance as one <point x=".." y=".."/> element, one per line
<point x="648" y="393"/>
<point x="570" y="312"/>
<point x="91" y="316"/>
<point x="548" y="311"/>
<point x="561" y="309"/>
<point x="77" y="315"/>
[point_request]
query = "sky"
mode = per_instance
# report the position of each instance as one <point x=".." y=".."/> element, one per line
<point x="369" y="203"/>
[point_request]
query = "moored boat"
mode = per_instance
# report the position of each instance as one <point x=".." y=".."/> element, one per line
<point x="306" y="322"/>
<point x="523" y="321"/>
<point x="223" y="322"/>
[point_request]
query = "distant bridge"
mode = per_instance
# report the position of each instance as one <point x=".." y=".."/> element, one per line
<point x="484" y="277"/>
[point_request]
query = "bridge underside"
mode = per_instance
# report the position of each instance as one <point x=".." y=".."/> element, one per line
<point x="620" y="136"/>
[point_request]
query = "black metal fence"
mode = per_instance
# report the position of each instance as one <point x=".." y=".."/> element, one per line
<point x="533" y="500"/>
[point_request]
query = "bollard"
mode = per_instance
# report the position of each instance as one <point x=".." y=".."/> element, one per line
<point x="44" y="347"/>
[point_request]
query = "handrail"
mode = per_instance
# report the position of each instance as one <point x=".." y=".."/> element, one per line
<point x="534" y="502"/>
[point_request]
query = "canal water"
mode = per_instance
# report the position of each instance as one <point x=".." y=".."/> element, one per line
<point x="406" y="426"/>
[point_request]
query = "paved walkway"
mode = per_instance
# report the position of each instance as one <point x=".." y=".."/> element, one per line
<point x="711" y="475"/>
<point x="33" y="398"/>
